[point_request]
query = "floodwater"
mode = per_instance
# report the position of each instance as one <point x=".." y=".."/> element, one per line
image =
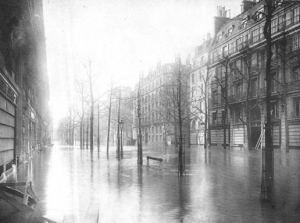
<point x="218" y="186"/>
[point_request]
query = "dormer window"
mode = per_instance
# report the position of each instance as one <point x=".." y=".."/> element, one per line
<point x="219" y="37"/>
<point x="244" y="23"/>
<point x="260" y="13"/>
<point x="230" y="31"/>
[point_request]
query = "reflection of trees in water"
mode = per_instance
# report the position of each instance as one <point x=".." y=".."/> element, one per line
<point x="184" y="198"/>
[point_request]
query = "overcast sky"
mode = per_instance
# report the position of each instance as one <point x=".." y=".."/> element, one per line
<point x="122" y="37"/>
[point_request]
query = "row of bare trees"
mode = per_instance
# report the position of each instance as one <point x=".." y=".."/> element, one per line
<point x="90" y="110"/>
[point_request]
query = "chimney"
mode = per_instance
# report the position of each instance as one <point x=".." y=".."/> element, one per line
<point x="220" y="19"/>
<point x="247" y="4"/>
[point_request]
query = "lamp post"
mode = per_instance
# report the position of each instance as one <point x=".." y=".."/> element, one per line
<point x="121" y="124"/>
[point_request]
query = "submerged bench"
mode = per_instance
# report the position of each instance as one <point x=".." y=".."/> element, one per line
<point x="154" y="158"/>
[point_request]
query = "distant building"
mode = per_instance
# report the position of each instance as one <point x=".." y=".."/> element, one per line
<point x="199" y="88"/>
<point x="24" y="89"/>
<point x="158" y="122"/>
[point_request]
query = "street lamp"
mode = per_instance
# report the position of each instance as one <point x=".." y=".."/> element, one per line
<point x="121" y="124"/>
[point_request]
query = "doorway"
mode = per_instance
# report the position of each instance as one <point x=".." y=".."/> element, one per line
<point x="255" y="134"/>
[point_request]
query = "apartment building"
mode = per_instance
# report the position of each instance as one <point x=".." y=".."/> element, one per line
<point x="24" y="89"/>
<point x="199" y="88"/>
<point x="158" y="123"/>
<point x="237" y="68"/>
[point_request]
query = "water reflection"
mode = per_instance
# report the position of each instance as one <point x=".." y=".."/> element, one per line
<point x="220" y="185"/>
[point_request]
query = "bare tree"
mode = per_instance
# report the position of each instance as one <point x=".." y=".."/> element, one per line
<point x="139" y="137"/>
<point x="82" y="96"/>
<point x="91" y="79"/>
<point x="201" y="109"/>
<point x="175" y="107"/>
<point x="248" y="72"/>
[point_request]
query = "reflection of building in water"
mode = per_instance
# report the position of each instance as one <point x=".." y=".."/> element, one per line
<point x="24" y="91"/>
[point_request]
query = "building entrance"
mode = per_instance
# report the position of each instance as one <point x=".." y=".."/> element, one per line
<point x="255" y="133"/>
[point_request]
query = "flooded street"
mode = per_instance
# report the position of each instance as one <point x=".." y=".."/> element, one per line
<point x="218" y="186"/>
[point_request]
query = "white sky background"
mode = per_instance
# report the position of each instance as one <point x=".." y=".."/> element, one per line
<point x="122" y="38"/>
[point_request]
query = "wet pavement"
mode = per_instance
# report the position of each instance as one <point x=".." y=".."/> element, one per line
<point x="219" y="186"/>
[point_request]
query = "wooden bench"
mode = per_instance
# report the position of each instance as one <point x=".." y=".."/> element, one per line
<point x="154" y="158"/>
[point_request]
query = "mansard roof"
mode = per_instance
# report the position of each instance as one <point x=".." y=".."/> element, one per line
<point x="236" y="24"/>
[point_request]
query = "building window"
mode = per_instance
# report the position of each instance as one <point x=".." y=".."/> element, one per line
<point x="237" y="115"/>
<point x="223" y="116"/>
<point x="215" y="96"/>
<point x="215" y="56"/>
<point x="193" y="92"/>
<point x="238" y="68"/>
<point x="296" y="42"/>
<point x="274" y="109"/>
<point x="214" y="118"/>
<point x="274" y="81"/>
<point x="281" y="22"/>
<point x="225" y="51"/>
<point x="239" y="43"/>
<point x="238" y="90"/>
<point x="200" y="75"/>
<point x="244" y="23"/>
<point x="193" y="78"/>
<point x="296" y="107"/>
<point x="253" y="88"/>
<point x="255" y="113"/>
<point x="255" y="35"/>
<point x="260" y="13"/>
<point x="261" y="33"/>
<point x="219" y="37"/>
<point x="230" y="31"/>
<point x="274" y="25"/>
<point x="193" y="125"/>
<point x="254" y="60"/>
<point x="296" y="12"/>
<point x="200" y="105"/>
<point x="202" y="61"/>
<point x="245" y="40"/>
<point x="288" y="18"/>
<point x="232" y="47"/>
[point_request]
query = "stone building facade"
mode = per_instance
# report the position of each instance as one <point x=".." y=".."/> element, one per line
<point x="24" y="90"/>
<point x="158" y="123"/>
<point x="237" y="69"/>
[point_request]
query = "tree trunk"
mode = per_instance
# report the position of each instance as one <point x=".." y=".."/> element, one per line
<point x="92" y="108"/>
<point x="87" y="134"/>
<point x="225" y="101"/>
<point x="108" y="125"/>
<point x="180" y="155"/>
<point x="80" y="134"/>
<point x="83" y="135"/>
<point x="92" y="128"/>
<point x="269" y="159"/>
<point x="140" y="143"/>
<point x="98" y="132"/>
<point x="249" y="135"/>
<point x="118" y="128"/>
